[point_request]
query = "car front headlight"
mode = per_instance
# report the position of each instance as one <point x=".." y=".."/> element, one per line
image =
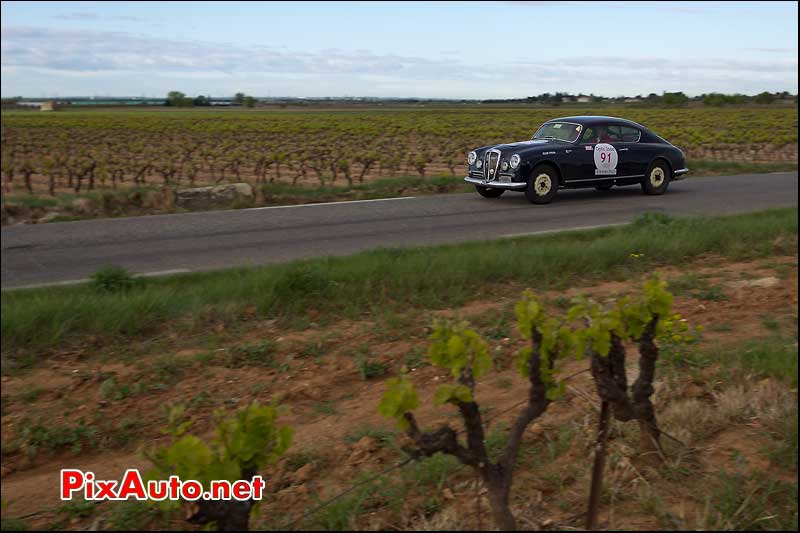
<point x="504" y="166"/>
<point x="480" y="163"/>
<point x="471" y="158"/>
<point x="515" y="159"/>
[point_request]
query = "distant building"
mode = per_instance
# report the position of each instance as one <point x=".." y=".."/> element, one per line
<point x="50" y="105"/>
<point x="583" y="99"/>
<point x="632" y="100"/>
<point x="567" y="99"/>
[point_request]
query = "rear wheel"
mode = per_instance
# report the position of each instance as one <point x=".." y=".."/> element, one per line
<point x="542" y="185"/>
<point x="489" y="192"/>
<point x="656" y="180"/>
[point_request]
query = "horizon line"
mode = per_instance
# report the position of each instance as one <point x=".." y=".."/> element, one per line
<point x="349" y="97"/>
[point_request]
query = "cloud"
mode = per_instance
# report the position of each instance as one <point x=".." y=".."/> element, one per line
<point x="71" y="54"/>
<point x="88" y="16"/>
<point x="83" y="50"/>
<point x="774" y="50"/>
<point x="76" y="15"/>
<point x="641" y="65"/>
<point x="671" y="7"/>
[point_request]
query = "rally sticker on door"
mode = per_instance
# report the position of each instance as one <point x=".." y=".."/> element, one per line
<point x="605" y="160"/>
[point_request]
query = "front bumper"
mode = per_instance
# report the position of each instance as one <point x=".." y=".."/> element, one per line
<point x="497" y="184"/>
<point x="679" y="174"/>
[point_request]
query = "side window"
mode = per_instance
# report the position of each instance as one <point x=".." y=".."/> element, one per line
<point x="630" y="135"/>
<point x="615" y="134"/>
<point x="602" y="133"/>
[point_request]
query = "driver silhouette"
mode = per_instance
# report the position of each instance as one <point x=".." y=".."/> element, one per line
<point x="602" y="135"/>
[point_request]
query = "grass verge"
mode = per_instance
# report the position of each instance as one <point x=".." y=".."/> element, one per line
<point x="385" y="279"/>
<point x="700" y="167"/>
<point x="770" y="357"/>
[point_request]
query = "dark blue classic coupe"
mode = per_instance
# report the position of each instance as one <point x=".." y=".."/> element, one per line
<point x="576" y="152"/>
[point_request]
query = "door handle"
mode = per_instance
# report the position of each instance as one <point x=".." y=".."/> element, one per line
<point x="623" y="149"/>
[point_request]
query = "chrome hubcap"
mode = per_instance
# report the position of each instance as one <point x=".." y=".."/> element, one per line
<point x="657" y="177"/>
<point x="542" y="184"/>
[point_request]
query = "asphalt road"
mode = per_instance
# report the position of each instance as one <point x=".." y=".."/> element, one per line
<point x="162" y="244"/>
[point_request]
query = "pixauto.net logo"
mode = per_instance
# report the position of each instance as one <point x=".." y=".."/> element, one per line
<point x="132" y="486"/>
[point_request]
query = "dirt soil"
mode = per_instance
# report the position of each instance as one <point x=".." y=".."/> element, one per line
<point x="121" y="392"/>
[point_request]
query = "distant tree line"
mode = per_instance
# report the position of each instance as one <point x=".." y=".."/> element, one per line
<point x="669" y="99"/>
<point x="718" y="100"/>
<point x="10" y="102"/>
<point x="665" y="99"/>
<point x="179" y="99"/>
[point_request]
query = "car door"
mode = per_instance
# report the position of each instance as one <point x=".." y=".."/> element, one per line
<point x="580" y="159"/>
<point x="633" y="157"/>
<point x="598" y="155"/>
<point x="573" y="161"/>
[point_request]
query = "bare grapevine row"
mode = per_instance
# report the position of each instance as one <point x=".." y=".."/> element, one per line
<point x="90" y="149"/>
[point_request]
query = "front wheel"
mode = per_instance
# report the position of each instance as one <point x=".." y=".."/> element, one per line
<point x="657" y="179"/>
<point x="489" y="192"/>
<point x="542" y="185"/>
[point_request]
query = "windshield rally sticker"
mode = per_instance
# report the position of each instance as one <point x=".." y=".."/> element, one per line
<point x="605" y="160"/>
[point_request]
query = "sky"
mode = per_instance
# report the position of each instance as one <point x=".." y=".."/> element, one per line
<point x="397" y="49"/>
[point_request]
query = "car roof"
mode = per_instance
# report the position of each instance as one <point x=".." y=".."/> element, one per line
<point x="589" y="120"/>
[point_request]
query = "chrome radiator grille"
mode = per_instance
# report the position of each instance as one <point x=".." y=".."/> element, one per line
<point x="491" y="164"/>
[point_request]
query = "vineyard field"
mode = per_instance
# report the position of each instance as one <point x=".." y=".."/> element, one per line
<point x="91" y="377"/>
<point x="76" y="151"/>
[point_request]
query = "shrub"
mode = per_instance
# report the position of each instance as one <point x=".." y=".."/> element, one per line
<point x="245" y="443"/>
<point x="113" y="279"/>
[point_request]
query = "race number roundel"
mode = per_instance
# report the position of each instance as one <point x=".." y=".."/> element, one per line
<point x="605" y="160"/>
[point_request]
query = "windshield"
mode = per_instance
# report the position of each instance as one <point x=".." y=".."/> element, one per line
<point x="562" y="131"/>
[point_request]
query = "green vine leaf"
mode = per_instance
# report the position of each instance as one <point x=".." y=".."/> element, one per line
<point x="658" y="299"/>
<point x="456" y="347"/>
<point x="529" y="313"/>
<point x="247" y="441"/>
<point x="522" y="361"/>
<point x="452" y="394"/>
<point x="251" y="439"/>
<point x="399" y="398"/>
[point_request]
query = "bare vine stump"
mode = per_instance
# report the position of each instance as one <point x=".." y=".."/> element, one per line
<point x="228" y="515"/>
<point x="599" y="465"/>
<point x="642" y="390"/>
